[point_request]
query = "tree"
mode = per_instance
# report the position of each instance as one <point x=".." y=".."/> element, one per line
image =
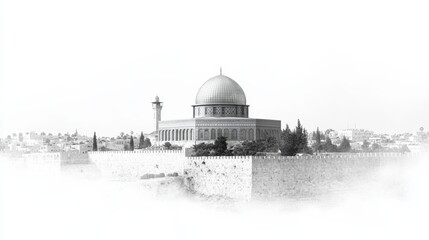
<point x="167" y="145"/>
<point x="132" y="143"/>
<point x="220" y="146"/>
<point x="329" y="146"/>
<point x="203" y="149"/>
<point x="294" y="142"/>
<point x="272" y="145"/>
<point x="288" y="143"/>
<point x="141" y="141"/>
<point x="375" y="147"/>
<point x="404" y="149"/>
<point x="365" y="146"/>
<point x="317" y="145"/>
<point x="147" y="143"/>
<point x="345" y="145"/>
<point x="251" y="148"/>
<point x="94" y="143"/>
<point x="328" y="131"/>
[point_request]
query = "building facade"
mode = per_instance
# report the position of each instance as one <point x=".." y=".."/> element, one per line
<point x="220" y="109"/>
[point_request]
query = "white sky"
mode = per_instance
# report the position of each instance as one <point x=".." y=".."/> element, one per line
<point x="96" y="65"/>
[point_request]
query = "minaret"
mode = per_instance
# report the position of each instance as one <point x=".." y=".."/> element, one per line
<point x="157" y="107"/>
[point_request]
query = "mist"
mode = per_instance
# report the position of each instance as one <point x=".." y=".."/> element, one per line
<point x="70" y="205"/>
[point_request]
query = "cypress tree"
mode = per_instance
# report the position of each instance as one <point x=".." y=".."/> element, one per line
<point x="132" y="143"/>
<point x="345" y="145"/>
<point x="329" y="146"/>
<point x="288" y="142"/>
<point x="141" y="141"/>
<point x="94" y="143"/>
<point x="318" y="144"/>
<point x="147" y="143"/>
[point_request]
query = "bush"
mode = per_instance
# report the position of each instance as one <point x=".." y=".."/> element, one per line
<point x="160" y="175"/>
<point x="148" y="176"/>
<point x="175" y="174"/>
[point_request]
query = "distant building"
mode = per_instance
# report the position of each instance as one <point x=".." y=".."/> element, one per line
<point x="356" y="135"/>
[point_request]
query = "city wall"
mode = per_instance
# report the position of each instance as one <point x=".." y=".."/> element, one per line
<point x="306" y="177"/>
<point x="230" y="177"/>
<point x="135" y="164"/>
<point x="245" y="178"/>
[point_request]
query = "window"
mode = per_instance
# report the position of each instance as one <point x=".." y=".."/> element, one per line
<point x="234" y="134"/>
<point x="226" y="133"/>
<point x="200" y="134"/>
<point x="251" y="134"/>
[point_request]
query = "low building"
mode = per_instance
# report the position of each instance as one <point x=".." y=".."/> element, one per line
<point x="356" y="135"/>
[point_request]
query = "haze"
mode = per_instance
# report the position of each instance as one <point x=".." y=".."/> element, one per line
<point x="96" y="65"/>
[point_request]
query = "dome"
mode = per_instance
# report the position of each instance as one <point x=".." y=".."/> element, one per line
<point x="220" y="90"/>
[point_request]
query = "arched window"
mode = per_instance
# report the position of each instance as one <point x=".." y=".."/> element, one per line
<point x="234" y="134"/>
<point x="219" y="132"/>
<point x="251" y="137"/>
<point x="243" y="134"/>
<point x="200" y="134"/>
<point x="258" y="134"/>
<point x="213" y="134"/>
<point x="206" y="134"/>
<point x="226" y="133"/>
<point x="190" y="134"/>
<point x="187" y="135"/>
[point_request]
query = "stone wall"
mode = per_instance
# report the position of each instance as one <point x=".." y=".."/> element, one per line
<point x="135" y="164"/>
<point x="229" y="177"/>
<point x="43" y="162"/>
<point x="306" y="177"/>
<point x="249" y="177"/>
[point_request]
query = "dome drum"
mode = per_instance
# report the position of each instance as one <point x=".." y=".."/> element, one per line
<point x="224" y="110"/>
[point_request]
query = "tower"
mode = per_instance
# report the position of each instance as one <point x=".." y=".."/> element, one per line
<point x="157" y="107"/>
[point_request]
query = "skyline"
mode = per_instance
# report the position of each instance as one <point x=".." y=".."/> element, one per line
<point x="322" y="63"/>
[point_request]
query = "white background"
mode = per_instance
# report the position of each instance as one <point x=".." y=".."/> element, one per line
<point x="96" y="65"/>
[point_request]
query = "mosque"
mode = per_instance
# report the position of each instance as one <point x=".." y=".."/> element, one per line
<point x="220" y="109"/>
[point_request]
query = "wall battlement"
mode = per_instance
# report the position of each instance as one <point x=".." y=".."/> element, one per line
<point x="138" y="151"/>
